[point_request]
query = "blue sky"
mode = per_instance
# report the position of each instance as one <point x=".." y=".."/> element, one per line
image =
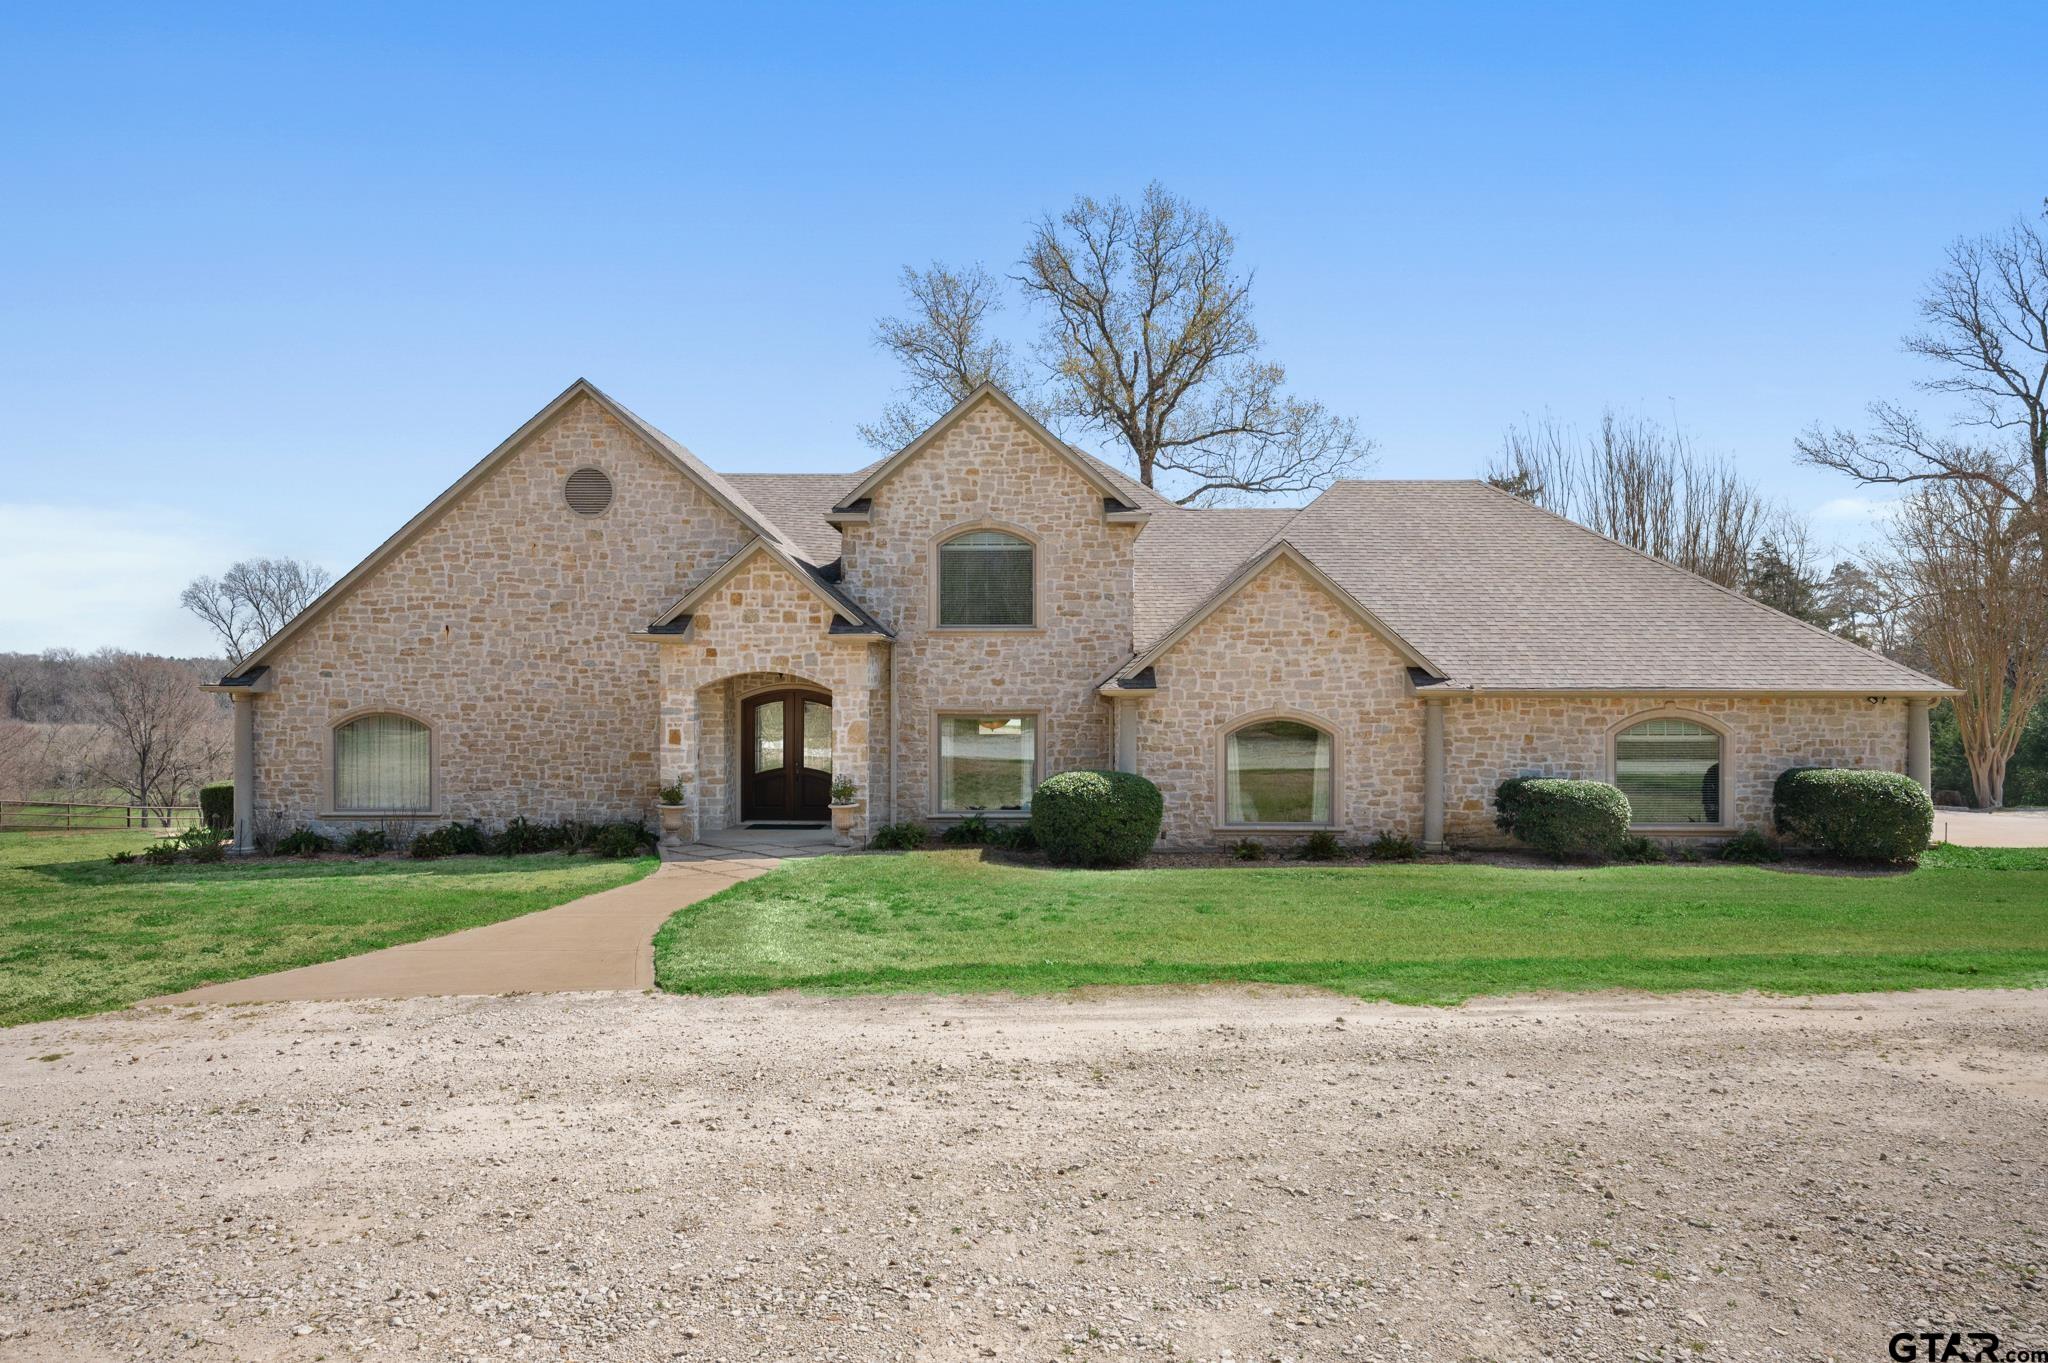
<point x="274" y="276"/>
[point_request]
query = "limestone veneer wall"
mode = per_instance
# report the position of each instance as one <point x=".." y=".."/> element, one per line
<point x="1282" y="644"/>
<point x="989" y="471"/>
<point x="504" y="627"/>
<point x="1488" y="739"/>
<point x="763" y="620"/>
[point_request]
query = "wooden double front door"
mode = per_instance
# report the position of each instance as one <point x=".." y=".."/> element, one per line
<point x="786" y="757"/>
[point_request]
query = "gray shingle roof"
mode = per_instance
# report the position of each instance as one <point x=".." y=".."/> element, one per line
<point x="1497" y="593"/>
<point x="797" y="503"/>
<point x="1503" y="596"/>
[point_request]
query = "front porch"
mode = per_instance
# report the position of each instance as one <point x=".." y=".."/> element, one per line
<point x="756" y="752"/>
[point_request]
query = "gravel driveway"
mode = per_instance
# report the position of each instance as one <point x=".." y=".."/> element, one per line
<point x="1257" y="1174"/>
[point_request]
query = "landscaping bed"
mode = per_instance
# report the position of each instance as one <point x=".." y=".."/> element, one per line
<point x="1438" y="932"/>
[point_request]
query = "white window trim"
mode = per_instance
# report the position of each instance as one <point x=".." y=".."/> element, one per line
<point x="1726" y="823"/>
<point x="938" y="776"/>
<point x="1222" y="772"/>
<point x="433" y="810"/>
<point x="953" y="532"/>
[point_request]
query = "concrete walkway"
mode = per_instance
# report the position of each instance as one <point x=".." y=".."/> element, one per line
<point x="601" y="941"/>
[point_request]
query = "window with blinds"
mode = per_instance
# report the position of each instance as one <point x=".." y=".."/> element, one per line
<point x="1277" y="771"/>
<point x="1670" y="769"/>
<point x="381" y="766"/>
<point x="985" y="581"/>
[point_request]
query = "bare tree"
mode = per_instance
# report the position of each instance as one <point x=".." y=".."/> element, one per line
<point x="1966" y="571"/>
<point x="164" y="736"/>
<point x="1985" y="321"/>
<point x="945" y="348"/>
<point x="252" y="600"/>
<point x="1149" y="337"/>
<point x="1634" y="481"/>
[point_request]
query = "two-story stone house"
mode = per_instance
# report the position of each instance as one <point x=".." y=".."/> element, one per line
<point x="591" y="612"/>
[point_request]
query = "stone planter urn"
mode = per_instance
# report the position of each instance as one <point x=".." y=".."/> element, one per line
<point x="675" y="821"/>
<point x="844" y="817"/>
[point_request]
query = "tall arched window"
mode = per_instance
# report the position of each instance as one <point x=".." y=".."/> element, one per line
<point x="1670" y="769"/>
<point x="1277" y="771"/>
<point x="985" y="581"/>
<point x="382" y="765"/>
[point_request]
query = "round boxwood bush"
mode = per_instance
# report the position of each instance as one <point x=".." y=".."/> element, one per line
<point x="1096" y="818"/>
<point x="1860" y="815"/>
<point x="217" y="805"/>
<point x="1563" y="818"/>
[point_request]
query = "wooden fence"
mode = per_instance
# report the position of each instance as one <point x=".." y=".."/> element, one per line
<point x="58" y="816"/>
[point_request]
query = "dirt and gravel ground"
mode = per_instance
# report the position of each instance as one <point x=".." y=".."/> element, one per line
<point x="1215" y="1174"/>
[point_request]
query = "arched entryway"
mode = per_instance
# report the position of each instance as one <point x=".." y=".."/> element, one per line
<point x="786" y="756"/>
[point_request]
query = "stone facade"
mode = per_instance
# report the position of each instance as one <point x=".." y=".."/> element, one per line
<point x="504" y="627"/>
<point x="507" y="624"/>
<point x="1284" y="646"/>
<point x="988" y="471"/>
<point x="1488" y="739"/>
<point x="758" y="626"/>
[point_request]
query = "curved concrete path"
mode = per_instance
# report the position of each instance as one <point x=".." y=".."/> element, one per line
<point x="601" y="941"/>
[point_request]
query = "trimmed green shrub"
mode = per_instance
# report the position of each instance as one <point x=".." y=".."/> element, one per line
<point x="900" y="837"/>
<point x="304" y="842"/>
<point x="1249" y="849"/>
<point x="971" y="831"/>
<point x="366" y="842"/>
<point x="467" y="839"/>
<point x="1096" y="818"/>
<point x="162" y="853"/>
<point x="670" y="794"/>
<point x="573" y="835"/>
<point x="521" y="837"/>
<point x="1562" y="818"/>
<point x="1860" y="815"/>
<point x="617" y="840"/>
<point x="1321" y="846"/>
<point x="428" y="845"/>
<point x="1392" y="847"/>
<point x="1013" y="837"/>
<point x="1639" y="850"/>
<point x="217" y="805"/>
<point x="1749" y="846"/>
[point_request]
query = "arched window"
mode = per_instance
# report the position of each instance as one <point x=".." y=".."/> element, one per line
<point x="985" y="581"/>
<point x="1277" y="771"/>
<point x="382" y="765"/>
<point x="1670" y="769"/>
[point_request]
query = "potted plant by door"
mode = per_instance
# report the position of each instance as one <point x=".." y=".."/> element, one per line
<point x="673" y="815"/>
<point x="846" y="807"/>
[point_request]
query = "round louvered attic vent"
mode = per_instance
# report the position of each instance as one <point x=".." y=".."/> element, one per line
<point x="588" y="491"/>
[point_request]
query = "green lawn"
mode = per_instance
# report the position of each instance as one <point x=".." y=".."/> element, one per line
<point x="949" y="921"/>
<point x="80" y="935"/>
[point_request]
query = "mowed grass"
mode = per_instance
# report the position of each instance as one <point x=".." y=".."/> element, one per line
<point x="80" y="935"/>
<point x="1428" y="933"/>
